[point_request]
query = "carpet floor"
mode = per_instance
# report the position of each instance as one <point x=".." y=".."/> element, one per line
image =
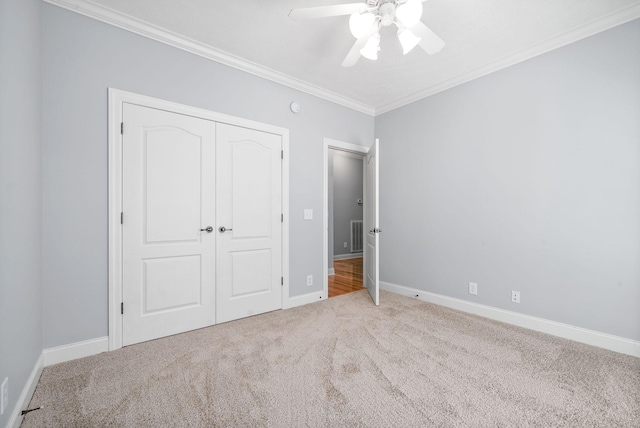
<point x="345" y="362"/>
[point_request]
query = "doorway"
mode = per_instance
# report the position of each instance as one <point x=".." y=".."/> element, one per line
<point x="343" y="267"/>
<point x="345" y="176"/>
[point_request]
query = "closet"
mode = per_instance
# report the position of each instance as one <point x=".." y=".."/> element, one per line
<point x="201" y="222"/>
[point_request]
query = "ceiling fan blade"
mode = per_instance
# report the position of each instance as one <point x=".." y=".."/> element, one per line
<point x="354" y="54"/>
<point x="325" y="11"/>
<point x="430" y="42"/>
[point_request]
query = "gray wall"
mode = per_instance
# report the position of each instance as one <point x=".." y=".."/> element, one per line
<point x="347" y="188"/>
<point x="81" y="59"/>
<point x="527" y="179"/>
<point x="20" y="194"/>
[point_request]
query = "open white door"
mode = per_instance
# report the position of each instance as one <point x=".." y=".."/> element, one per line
<point x="372" y="255"/>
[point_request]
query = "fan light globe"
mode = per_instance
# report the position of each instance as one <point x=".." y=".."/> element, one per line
<point x="408" y="40"/>
<point x="360" y="24"/>
<point x="370" y="50"/>
<point x="409" y="13"/>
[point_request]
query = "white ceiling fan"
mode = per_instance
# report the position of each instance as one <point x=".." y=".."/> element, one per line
<point x="366" y="20"/>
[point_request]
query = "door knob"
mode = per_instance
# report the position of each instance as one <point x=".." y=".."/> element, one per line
<point x="208" y="229"/>
<point x="223" y="229"/>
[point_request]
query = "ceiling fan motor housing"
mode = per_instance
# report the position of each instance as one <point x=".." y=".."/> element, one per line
<point x="387" y="13"/>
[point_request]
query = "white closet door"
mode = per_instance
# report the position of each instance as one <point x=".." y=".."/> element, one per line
<point x="168" y="197"/>
<point x="249" y="227"/>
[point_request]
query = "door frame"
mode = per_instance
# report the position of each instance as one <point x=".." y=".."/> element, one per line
<point x="115" y="118"/>
<point x="346" y="147"/>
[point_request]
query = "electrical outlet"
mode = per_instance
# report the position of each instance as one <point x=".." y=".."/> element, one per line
<point x="515" y="296"/>
<point x="4" y="395"/>
<point x="473" y="288"/>
<point x="308" y="214"/>
<point x="345" y="245"/>
<point x="309" y="279"/>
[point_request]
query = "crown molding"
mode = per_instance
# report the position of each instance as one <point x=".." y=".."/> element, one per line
<point x="117" y="19"/>
<point x="603" y="23"/>
<point x="112" y="17"/>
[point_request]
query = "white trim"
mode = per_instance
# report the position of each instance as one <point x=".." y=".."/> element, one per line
<point x="15" y="417"/>
<point x="48" y="357"/>
<point x="346" y="147"/>
<point x="566" y="331"/>
<point x="348" y="256"/>
<point x="118" y="19"/>
<point x="285" y="222"/>
<point x="326" y="145"/>
<point x="305" y="299"/>
<point x="598" y="25"/>
<point x="73" y="351"/>
<point x="346" y="154"/>
<point x="332" y="271"/>
<point x="137" y="26"/>
<point x="116" y="100"/>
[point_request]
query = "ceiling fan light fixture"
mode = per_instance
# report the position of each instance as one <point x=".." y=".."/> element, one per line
<point x="370" y="50"/>
<point x="368" y="17"/>
<point x="361" y="23"/>
<point x="409" y="13"/>
<point x="408" y="40"/>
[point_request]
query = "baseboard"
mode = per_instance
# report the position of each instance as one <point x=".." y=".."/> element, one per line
<point x="49" y="357"/>
<point x="15" y="419"/>
<point x="347" y="256"/>
<point x="304" y="299"/>
<point x="566" y="331"/>
<point x="86" y="348"/>
<point x="332" y="271"/>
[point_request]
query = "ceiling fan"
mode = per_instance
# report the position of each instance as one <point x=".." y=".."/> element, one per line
<point x="366" y="20"/>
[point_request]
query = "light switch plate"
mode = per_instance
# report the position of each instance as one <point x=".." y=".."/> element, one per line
<point x="473" y="288"/>
<point x="308" y="214"/>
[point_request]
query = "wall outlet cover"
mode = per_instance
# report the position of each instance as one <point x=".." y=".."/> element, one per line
<point x="308" y="214"/>
<point x="309" y="280"/>
<point x="515" y="296"/>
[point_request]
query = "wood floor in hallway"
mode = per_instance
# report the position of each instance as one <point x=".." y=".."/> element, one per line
<point x="348" y="277"/>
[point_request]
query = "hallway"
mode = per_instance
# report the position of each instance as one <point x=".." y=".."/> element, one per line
<point x="348" y="277"/>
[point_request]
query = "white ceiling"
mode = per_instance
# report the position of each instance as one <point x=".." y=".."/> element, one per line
<point x="258" y="36"/>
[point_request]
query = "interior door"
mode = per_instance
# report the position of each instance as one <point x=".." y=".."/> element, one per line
<point x="249" y="222"/>
<point x="168" y="197"/>
<point x="372" y="210"/>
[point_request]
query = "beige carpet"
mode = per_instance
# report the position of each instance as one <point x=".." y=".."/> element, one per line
<point x="344" y="362"/>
